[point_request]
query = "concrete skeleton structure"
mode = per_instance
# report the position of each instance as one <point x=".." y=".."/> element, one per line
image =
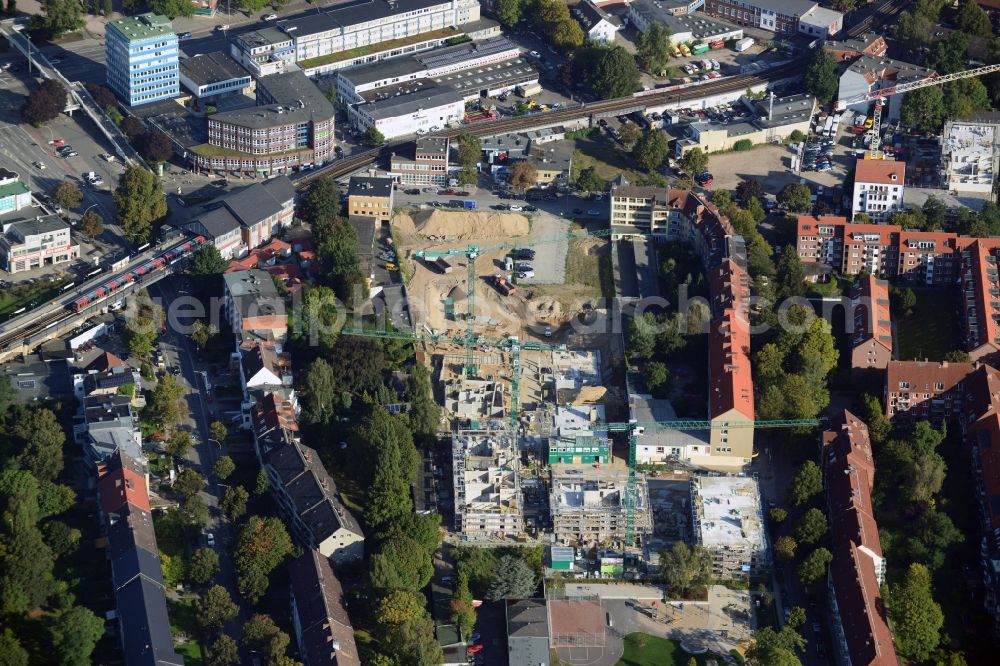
<point x="587" y="505"/>
<point x="728" y="521"/>
<point x="487" y="483"/>
<point x="970" y="154"/>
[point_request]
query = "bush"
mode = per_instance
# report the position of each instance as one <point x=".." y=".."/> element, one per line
<point x="743" y="145"/>
<point x="796" y="136"/>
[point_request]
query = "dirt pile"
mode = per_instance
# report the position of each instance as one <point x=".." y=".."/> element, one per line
<point x="462" y="225"/>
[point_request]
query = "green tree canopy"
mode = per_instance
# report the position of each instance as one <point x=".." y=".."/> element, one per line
<point x="508" y="12"/>
<point x="223" y="467"/>
<point x="74" y="634"/>
<point x="796" y="197"/>
<point x="67" y="195"/>
<point x="651" y="150"/>
<point x="811" y="527"/>
<point x="813" y="568"/>
<point x="373" y="137"/>
<point x="806" y="484"/>
<point x="923" y="109"/>
<point x="261" y="545"/>
<point x="401" y="564"/>
<point x="653" y="48"/>
<point x="139" y="203"/>
<point x="206" y="260"/>
<point x="204" y="566"/>
<point x="916" y="618"/>
<point x="684" y="567"/>
<point x="234" y="502"/>
<point x="224" y="652"/>
<point x="588" y="181"/>
<point x="820" y="77"/>
<point x="215" y="608"/>
<point x="694" y="162"/>
<point x="513" y="579"/>
<point x="614" y="73"/>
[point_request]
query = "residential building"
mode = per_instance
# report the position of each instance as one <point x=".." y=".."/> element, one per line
<point x="308" y="498"/>
<point x="369" y="196"/>
<point x="553" y="162"/>
<point x="107" y="425"/>
<point x="588" y="507"/>
<point x="970" y="153"/>
<point x="926" y="390"/>
<point x="29" y="243"/>
<point x="728" y="521"/>
<point x="660" y="445"/>
<point x="867" y="74"/>
<point x="141" y="59"/>
<point x="598" y="25"/>
<point x="253" y="307"/>
<point x="137" y="576"/>
<point x="527" y="631"/>
<point x="871" y="325"/>
<point x="487" y="484"/>
<point x="774" y="120"/>
<point x="861" y="633"/>
<point x="780" y="16"/>
<point x="684" y="26"/>
<point x="263" y="52"/>
<point x="980" y="305"/>
<point x="351" y="33"/>
<point x="878" y="188"/>
<point x="246" y="218"/>
<point x="426" y="165"/>
<point x="262" y="366"/>
<point x="852" y="48"/>
<point x="322" y="627"/>
<point x="212" y="75"/>
<point x="14" y="195"/>
<point x="274" y="420"/>
<point x="290" y="127"/>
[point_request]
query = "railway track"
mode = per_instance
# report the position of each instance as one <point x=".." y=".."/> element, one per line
<point x="887" y="9"/>
<point x="353" y="163"/>
<point x="18" y="336"/>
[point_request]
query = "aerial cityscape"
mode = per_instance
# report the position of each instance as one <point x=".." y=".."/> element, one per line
<point x="499" y="332"/>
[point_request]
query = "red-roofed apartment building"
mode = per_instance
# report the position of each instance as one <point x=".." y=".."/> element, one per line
<point x="861" y="632"/>
<point x="688" y="217"/>
<point x="871" y="335"/>
<point x="878" y="188"/>
<point x="980" y="282"/>
<point x="925" y="390"/>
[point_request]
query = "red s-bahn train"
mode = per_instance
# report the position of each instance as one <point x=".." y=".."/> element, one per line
<point x="111" y="285"/>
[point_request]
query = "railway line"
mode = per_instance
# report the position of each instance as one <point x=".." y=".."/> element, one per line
<point x="887" y="9"/>
<point x="349" y="165"/>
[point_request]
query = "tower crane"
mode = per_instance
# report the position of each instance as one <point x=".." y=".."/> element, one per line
<point x="879" y="97"/>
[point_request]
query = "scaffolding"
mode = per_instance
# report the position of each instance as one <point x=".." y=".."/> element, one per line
<point x="588" y="506"/>
<point x="728" y="521"/>
<point x="487" y="484"/>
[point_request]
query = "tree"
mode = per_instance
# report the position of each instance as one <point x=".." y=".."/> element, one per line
<point x="67" y="195"/>
<point x="820" y="77"/>
<point x="166" y="404"/>
<point x="777" y="648"/>
<point x="319" y="393"/>
<point x="321" y="202"/>
<point x="204" y="566"/>
<point x="813" y="567"/>
<point x="61" y="16"/>
<point x="133" y="128"/>
<point x="907" y="300"/>
<point x="424" y="414"/>
<point x="373" y="137"/>
<point x="656" y="375"/>
<point x="949" y="54"/>
<point x="218" y="431"/>
<point x="171" y="8"/>
<point x="39" y="437"/>
<point x="784" y="548"/>
<point x="74" y="633"/>
<point x="523" y="175"/>
<point x="11" y="652"/>
<point x="414" y="642"/>
<point x="331" y="94"/>
<point x="684" y="567"/>
<point x="201" y="333"/>
<point x="401" y="564"/>
<point x="399" y="606"/>
<point x="653" y="48"/>
<point x="157" y="147"/>
<point x="513" y="579"/>
<point x="261" y="545"/>
<point x="694" y="162"/>
<point x="651" y="149"/>
<point x="215" y="608"/>
<point x="252" y="6"/>
<point x="194" y="512"/>
<point x="878" y="425"/>
<point x="811" y="527"/>
<point x="749" y="188"/>
<point x="60" y="537"/>
<point x="263" y="483"/>
<point x="179" y="444"/>
<point x="923" y="109"/>
<point x="796" y="197"/>
<point x="206" y="260"/>
<point x="336" y="244"/>
<point x="45" y="103"/>
<point x="223" y="467"/>
<point x="139" y="202"/>
<point x="224" y="652"/>
<point x="234" y="502"/>
<point x="508" y="11"/>
<point x="91" y="224"/>
<point x="101" y="95"/>
<point x="470" y="150"/>
<point x="588" y="181"/>
<point x="614" y="74"/>
<point x="972" y="20"/>
<point x="916" y="618"/>
<point x="777" y="514"/>
<point x="807" y="483"/>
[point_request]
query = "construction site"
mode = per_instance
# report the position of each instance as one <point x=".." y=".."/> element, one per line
<point x="588" y="505"/>
<point x="485" y="466"/>
<point x="727" y="517"/>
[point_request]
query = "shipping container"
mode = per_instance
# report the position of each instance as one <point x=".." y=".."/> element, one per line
<point x="743" y="44"/>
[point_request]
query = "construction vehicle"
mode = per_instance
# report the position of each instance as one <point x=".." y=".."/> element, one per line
<point x="880" y="98"/>
<point x="504" y="285"/>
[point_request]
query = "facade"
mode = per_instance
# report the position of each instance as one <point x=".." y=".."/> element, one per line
<point x="31" y="243"/>
<point x="14" y="195"/>
<point x="970" y="154"/>
<point x="660" y="445"/>
<point x="253" y="307"/>
<point x="247" y="218"/>
<point x="867" y="74"/>
<point x="578" y="437"/>
<point x="779" y="16"/>
<point x="322" y="627"/>
<point x="878" y="188"/>
<point x="871" y="322"/>
<point x="852" y="48"/>
<point x="684" y="24"/>
<point x="212" y="75"/>
<point x="308" y="498"/>
<point x="588" y="506"/>
<point x="370" y="197"/>
<point x="598" y="26"/>
<point x="775" y="120"/>
<point x="980" y="308"/>
<point x="861" y="633"/>
<point x="108" y="424"/>
<point x="487" y="484"/>
<point x="728" y="521"/>
<point x="290" y="127"/>
<point x="264" y="52"/>
<point x="925" y="390"/>
<point x="141" y="59"/>
<point x="428" y="164"/>
<point x="685" y="216"/>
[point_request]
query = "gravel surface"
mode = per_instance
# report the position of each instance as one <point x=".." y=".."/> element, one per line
<point x="550" y="255"/>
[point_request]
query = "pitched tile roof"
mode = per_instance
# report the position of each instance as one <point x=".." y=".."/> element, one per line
<point x="104" y="362"/>
<point x="145" y="625"/>
<point x="862" y="609"/>
<point x="121" y="481"/>
<point x="882" y="172"/>
<point x="318" y="597"/>
<point x="872" y="319"/>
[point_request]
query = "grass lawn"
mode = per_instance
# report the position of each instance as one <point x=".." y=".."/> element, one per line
<point x="929" y="330"/>
<point x="184" y="628"/>
<point x="645" y="650"/>
<point x="21" y="296"/>
<point x="607" y="161"/>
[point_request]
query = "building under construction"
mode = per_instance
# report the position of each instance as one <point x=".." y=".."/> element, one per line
<point x="588" y="505"/>
<point x="488" y="502"/>
<point x="728" y="522"/>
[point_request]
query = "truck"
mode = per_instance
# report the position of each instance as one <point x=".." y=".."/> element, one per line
<point x="743" y="44"/>
<point x="469" y="204"/>
<point x="503" y="285"/>
<point x="699" y="48"/>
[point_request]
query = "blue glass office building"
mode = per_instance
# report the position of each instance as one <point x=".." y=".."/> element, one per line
<point x="142" y="62"/>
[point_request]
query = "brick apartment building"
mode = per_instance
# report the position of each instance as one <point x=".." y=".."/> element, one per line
<point x="925" y="390"/>
<point x="861" y="632"/>
<point x="871" y="324"/>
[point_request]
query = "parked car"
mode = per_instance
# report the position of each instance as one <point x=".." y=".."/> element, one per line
<point x="270" y="17"/>
<point x="210" y="539"/>
<point x="222" y="28"/>
<point x="705" y="179"/>
<point x="524" y="275"/>
<point x="184" y="35"/>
